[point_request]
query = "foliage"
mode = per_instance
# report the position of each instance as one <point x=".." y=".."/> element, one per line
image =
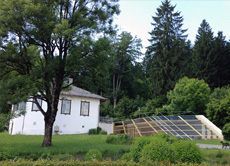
<point x="37" y="39"/>
<point x="95" y="131"/>
<point x="92" y="132"/>
<point x="187" y="152"/>
<point x="106" y="109"/>
<point x="93" y="155"/>
<point x="103" y="132"/>
<point x="118" y="139"/>
<point x="226" y="131"/>
<point x="137" y="147"/>
<point x="127" y="157"/>
<point x="97" y="163"/>
<point x="167" y="56"/>
<point x="164" y="147"/>
<point x="153" y="105"/>
<point x="189" y="95"/>
<point x="125" y="51"/>
<point x="158" y="150"/>
<point x="125" y="107"/>
<point x="218" y="109"/>
<point x="4" y="121"/>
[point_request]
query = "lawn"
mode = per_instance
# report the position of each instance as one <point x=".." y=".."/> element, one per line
<point x="30" y="145"/>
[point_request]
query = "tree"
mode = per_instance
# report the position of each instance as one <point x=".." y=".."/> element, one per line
<point x="204" y="56"/>
<point x="218" y="109"/>
<point x="222" y="61"/>
<point x="166" y="56"/>
<point x="126" y="50"/>
<point x="36" y="37"/>
<point x="188" y="95"/>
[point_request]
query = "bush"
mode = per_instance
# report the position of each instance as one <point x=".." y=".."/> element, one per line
<point x="226" y="131"/>
<point x="137" y="147"/>
<point x="127" y="157"/>
<point x="92" y="131"/>
<point x="188" y="152"/>
<point x="93" y="155"/>
<point x="158" y="150"/>
<point x="103" y="132"/>
<point x="118" y="139"/>
<point x="98" y="130"/>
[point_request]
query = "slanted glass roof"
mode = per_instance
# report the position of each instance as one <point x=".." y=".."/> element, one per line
<point x="186" y="126"/>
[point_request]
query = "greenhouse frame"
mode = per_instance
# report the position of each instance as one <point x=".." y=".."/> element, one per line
<point x="184" y="126"/>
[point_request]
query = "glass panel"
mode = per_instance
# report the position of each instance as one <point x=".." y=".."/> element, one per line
<point x="173" y="117"/>
<point x="84" y="108"/>
<point x="191" y="132"/>
<point x="188" y="117"/>
<point x="66" y="106"/>
<point x="185" y="127"/>
<point x="35" y="107"/>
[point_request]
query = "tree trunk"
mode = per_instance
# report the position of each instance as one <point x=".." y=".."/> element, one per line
<point x="48" y="133"/>
<point x="49" y="119"/>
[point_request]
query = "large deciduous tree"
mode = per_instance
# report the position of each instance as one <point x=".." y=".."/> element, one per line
<point x="167" y="55"/>
<point x="36" y="37"/>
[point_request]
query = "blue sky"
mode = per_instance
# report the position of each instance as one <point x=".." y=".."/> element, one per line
<point x="136" y="16"/>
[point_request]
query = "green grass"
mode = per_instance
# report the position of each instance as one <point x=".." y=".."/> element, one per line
<point x="27" y="145"/>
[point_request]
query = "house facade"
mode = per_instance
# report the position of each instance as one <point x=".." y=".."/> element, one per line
<point x="78" y="111"/>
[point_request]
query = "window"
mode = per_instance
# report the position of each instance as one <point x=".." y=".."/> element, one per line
<point x="35" y="107"/>
<point x="66" y="106"/>
<point x="19" y="106"/>
<point x="84" y="108"/>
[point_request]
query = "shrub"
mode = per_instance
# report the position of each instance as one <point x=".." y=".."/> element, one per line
<point x="93" y="155"/>
<point x="158" y="150"/>
<point x="188" y="152"/>
<point x="103" y="132"/>
<point x="137" y="146"/>
<point x="226" y="131"/>
<point x="167" y="137"/>
<point x="95" y="131"/>
<point x="92" y="131"/>
<point x="118" y="139"/>
<point x="127" y="157"/>
<point x="98" y="130"/>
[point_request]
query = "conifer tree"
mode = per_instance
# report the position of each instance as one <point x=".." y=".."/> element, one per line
<point x="166" y="56"/>
<point x="204" y="57"/>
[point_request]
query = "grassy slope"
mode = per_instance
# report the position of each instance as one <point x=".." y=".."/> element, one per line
<point x="62" y="144"/>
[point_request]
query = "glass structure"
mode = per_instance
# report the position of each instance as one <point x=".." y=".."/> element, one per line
<point x="186" y="126"/>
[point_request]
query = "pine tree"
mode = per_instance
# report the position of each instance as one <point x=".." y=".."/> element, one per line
<point x="166" y="56"/>
<point x="222" y="52"/>
<point x="204" y="54"/>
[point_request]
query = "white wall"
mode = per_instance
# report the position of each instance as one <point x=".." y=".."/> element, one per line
<point x="33" y="122"/>
<point x="107" y="127"/>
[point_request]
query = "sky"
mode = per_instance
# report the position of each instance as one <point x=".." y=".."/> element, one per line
<point x="136" y="16"/>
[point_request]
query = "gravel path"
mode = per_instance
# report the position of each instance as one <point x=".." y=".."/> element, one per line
<point x="204" y="146"/>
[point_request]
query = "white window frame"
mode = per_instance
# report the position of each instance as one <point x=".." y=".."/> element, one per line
<point x="84" y="111"/>
<point x="66" y="106"/>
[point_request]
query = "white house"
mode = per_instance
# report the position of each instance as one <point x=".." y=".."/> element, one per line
<point x="78" y="111"/>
